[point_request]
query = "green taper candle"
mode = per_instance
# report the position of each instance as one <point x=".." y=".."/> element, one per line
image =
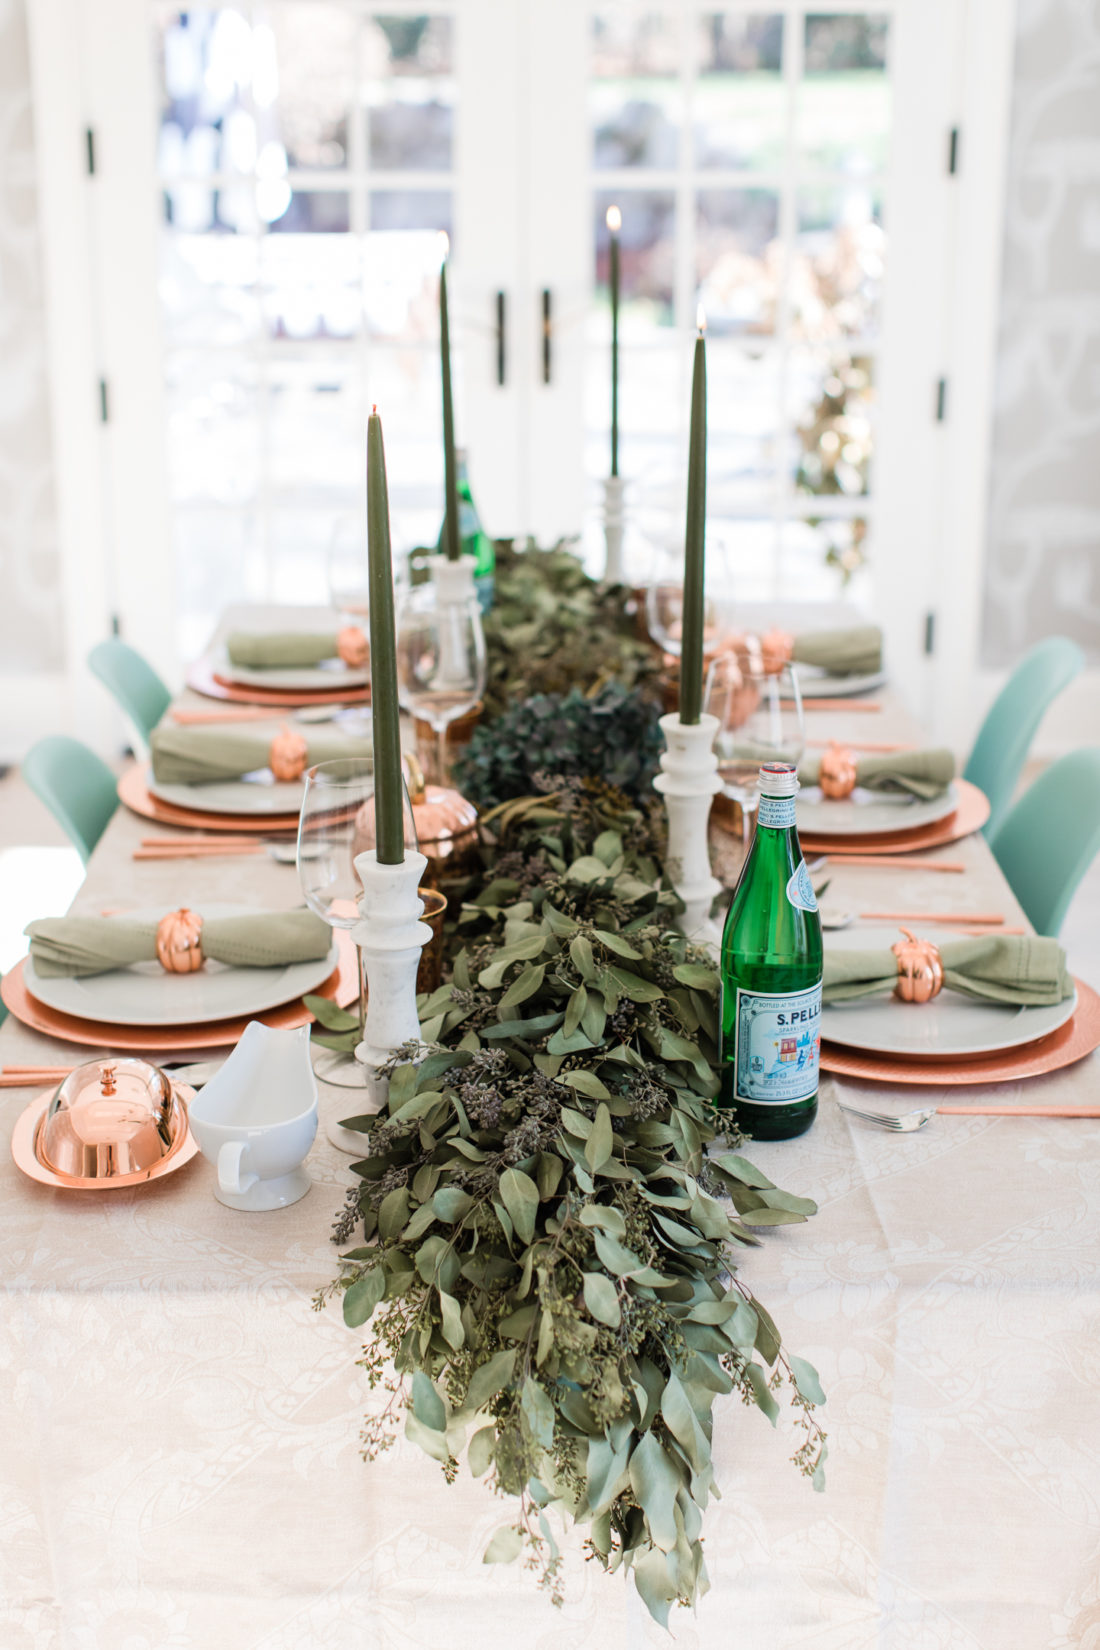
<point x="691" y="640"/>
<point x="389" y="823"/>
<point x="450" y="466"/>
<point x="614" y="224"/>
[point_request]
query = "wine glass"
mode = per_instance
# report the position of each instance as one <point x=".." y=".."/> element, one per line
<point x="441" y="664"/>
<point x="335" y="824"/>
<point x="759" y="713"/>
<point x="664" y="601"/>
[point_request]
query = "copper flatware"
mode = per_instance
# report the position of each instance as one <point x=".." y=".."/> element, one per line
<point x="237" y="850"/>
<point x="229" y="840"/>
<point x="859" y="745"/>
<point x="905" y="861"/>
<point x="243" y="713"/>
<point x="867" y="706"/>
<point x="991" y="919"/>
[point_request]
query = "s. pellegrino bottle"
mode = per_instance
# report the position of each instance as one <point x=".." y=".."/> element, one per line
<point x="472" y="537"/>
<point x="771" y="975"/>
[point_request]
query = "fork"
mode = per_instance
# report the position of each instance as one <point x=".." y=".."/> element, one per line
<point x="909" y="1121"/>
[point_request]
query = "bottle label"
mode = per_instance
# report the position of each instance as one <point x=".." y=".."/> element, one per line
<point x="777" y="812"/>
<point x="800" y="890"/>
<point x="777" y="1045"/>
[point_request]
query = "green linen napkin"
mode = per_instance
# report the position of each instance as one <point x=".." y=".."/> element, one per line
<point x="1027" y="970"/>
<point x="853" y="652"/>
<point x="922" y="773"/>
<point x="68" y="946"/>
<point x="200" y="755"/>
<point x="281" y="649"/>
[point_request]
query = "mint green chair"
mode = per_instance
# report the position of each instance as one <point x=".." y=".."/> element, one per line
<point x="1051" y="837"/>
<point x="134" y="684"/>
<point x="1004" y="738"/>
<point x="77" y="787"/>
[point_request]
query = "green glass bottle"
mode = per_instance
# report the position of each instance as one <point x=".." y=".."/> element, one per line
<point x="771" y="975"/>
<point x="472" y="537"/>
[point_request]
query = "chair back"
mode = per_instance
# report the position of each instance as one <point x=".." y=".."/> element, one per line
<point x="1051" y="837"/>
<point x="1004" y="738"/>
<point x="77" y="787"/>
<point x="134" y="684"/>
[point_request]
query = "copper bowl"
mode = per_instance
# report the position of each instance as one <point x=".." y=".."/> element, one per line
<point x="112" y="1119"/>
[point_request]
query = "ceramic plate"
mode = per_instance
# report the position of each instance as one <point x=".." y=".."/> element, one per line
<point x="951" y="1025"/>
<point x="332" y="673"/>
<point x="146" y="996"/>
<point x="868" y="813"/>
<point x="260" y="794"/>
<point x="815" y="684"/>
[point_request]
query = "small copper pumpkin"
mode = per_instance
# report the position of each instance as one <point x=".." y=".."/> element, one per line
<point x="920" y="969"/>
<point x="776" y="650"/>
<point x="288" y="755"/>
<point x="837" y="772"/>
<point x="352" y="646"/>
<point x="179" y="941"/>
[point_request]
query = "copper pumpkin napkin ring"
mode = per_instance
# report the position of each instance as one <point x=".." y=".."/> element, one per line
<point x="776" y="650"/>
<point x="837" y="772"/>
<point x="920" y="969"/>
<point x="289" y="755"/>
<point x="351" y="646"/>
<point x="179" y="942"/>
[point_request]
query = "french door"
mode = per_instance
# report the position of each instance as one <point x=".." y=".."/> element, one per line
<point x="283" y="172"/>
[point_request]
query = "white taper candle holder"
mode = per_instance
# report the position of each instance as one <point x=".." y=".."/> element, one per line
<point x="689" y="781"/>
<point x="391" y="938"/>
<point x="613" y="522"/>
<point x="454" y="590"/>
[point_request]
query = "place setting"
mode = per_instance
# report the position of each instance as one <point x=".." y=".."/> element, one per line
<point x="321" y="659"/>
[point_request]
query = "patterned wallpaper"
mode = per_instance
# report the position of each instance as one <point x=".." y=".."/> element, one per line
<point x="30" y="611"/>
<point x="1043" y="550"/>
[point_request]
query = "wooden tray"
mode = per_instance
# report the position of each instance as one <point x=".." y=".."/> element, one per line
<point x="970" y="815"/>
<point x="342" y="986"/>
<point x="133" y="791"/>
<point x="202" y="678"/>
<point x="1070" y="1043"/>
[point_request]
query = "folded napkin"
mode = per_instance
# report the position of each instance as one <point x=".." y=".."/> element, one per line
<point x="281" y="649"/>
<point x="853" y="652"/>
<point x="199" y="755"/>
<point x="1027" y="970"/>
<point x="922" y="773"/>
<point x="67" y="946"/>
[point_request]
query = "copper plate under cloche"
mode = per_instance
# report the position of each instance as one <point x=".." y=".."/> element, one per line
<point x="109" y="1125"/>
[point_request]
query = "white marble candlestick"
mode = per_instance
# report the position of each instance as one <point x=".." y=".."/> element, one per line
<point x="391" y="937"/>
<point x="454" y="591"/>
<point x="613" y="522"/>
<point x="688" y="781"/>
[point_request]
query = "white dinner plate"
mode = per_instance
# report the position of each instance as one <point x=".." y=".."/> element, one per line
<point x="815" y="684"/>
<point x="259" y="793"/>
<point x="331" y="674"/>
<point x="145" y="995"/>
<point x="868" y="813"/>
<point x="950" y="1025"/>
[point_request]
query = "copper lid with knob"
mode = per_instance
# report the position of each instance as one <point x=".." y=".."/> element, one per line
<point x="114" y="1119"/>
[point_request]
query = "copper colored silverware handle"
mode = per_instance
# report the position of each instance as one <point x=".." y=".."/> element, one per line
<point x="1020" y="1111"/>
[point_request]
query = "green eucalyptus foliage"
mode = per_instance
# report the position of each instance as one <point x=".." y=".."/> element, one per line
<point x="612" y="733"/>
<point x="552" y="628"/>
<point x="548" y="1245"/>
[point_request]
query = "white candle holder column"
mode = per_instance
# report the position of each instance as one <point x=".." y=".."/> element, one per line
<point x="391" y="937"/>
<point x="613" y="522"/>
<point x="689" y="781"/>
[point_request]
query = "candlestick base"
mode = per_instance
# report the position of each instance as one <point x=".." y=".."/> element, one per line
<point x="689" y="781"/>
<point x="391" y="938"/>
<point x="613" y="522"/>
<point x="453" y="580"/>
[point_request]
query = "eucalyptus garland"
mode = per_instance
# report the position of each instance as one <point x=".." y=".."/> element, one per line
<point x="548" y="1255"/>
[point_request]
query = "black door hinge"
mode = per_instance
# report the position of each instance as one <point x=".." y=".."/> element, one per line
<point x="941" y="400"/>
<point x="89" y="150"/>
<point x="953" y="151"/>
<point x="930" y="633"/>
<point x="104" y="411"/>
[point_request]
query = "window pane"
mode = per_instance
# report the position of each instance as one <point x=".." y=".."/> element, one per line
<point x="317" y="423"/>
<point x="312" y="288"/>
<point x="208" y="289"/>
<point x="744" y="408"/>
<point x="411" y="92"/>
<point x="819" y="550"/>
<point x="844" y="99"/>
<point x="303" y="83"/>
<point x="635" y="99"/>
<point x="737" y="260"/>
<point x="401" y="279"/>
<point x="740" y="105"/>
<point x="647" y="259"/>
<point x="213" y="427"/>
<point x="307" y="211"/>
<point x="836" y="285"/>
<point x="832" y="405"/>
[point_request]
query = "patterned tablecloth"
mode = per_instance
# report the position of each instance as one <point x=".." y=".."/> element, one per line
<point x="180" y="1466"/>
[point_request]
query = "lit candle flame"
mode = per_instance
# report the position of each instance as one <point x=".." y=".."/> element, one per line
<point x="444" y="246"/>
<point x="701" y="320"/>
<point x="614" y="219"/>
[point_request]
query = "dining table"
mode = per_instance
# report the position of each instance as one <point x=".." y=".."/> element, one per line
<point x="181" y="1465"/>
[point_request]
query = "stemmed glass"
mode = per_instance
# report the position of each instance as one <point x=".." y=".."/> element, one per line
<point x="441" y="665"/>
<point x="759" y="715"/>
<point x="337" y="823"/>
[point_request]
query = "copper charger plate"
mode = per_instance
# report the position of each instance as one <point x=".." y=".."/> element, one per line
<point x="182" y="1150"/>
<point x="342" y="986"/>
<point x="203" y="678"/>
<point x="970" y="815"/>
<point x="1071" y="1042"/>
<point x="133" y="791"/>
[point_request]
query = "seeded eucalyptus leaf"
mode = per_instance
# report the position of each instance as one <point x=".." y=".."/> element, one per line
<point x="806" y="1379"/>
<point x="428" y="1406"/>
<point x="479" y="1455"/>
<point x="488" y="1378"/>
<point x="521" y="1199"/>
<point x="601" y="1299"/>
<point x="330" y="1014"/>
<point x="537" y="1412"/>
<point x="504" y="1547"/>
<point x="362" y="1296"/>
<point x="587" y="1083"/>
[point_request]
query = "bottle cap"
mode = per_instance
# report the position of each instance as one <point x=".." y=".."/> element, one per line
<point x="778" y="779"/>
